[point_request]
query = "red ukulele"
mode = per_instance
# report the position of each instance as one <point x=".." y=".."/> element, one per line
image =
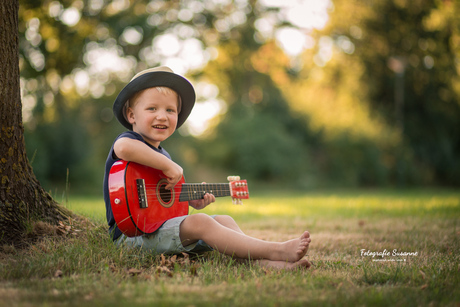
<point x="141" y="204"/>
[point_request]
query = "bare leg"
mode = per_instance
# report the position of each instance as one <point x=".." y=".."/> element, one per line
<point x="234" y="243"/>
<point x="229" y="222"/>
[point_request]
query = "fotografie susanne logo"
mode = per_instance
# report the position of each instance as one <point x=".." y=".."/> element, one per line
<point x="385" y="255"/>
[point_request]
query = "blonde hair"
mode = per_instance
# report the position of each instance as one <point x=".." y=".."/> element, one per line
<point x="162" y="89"/>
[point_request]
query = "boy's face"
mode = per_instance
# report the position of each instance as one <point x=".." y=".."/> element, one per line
<point x="154" y="115"/>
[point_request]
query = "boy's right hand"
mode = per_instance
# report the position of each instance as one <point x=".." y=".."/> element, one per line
<point x="173" y="173"/>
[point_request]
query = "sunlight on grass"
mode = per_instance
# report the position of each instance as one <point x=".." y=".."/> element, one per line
<point x="341" y="205"/>
<point x="92" y="207"/>
<point x="311" y="205"/>
<point x="253" y="207"/>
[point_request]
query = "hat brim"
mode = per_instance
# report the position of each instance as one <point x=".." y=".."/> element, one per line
<point x="153" y="79"/>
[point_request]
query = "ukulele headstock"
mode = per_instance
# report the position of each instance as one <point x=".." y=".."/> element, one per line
<point x="238" y="189"/>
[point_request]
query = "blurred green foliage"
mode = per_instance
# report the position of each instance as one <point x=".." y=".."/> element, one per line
<point x="373" y="101"/>
<point x="424" y="38"/>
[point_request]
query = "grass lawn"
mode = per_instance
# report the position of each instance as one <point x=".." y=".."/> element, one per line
<point x="369" y="247"/>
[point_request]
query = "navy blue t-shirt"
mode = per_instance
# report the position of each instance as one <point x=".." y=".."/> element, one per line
<point x="111" y="159"/>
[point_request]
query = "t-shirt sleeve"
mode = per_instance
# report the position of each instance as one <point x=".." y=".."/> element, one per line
<point x="127" y="134"/>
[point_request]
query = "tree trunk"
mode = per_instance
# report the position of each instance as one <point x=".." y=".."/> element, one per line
<point x="22" y="199"/>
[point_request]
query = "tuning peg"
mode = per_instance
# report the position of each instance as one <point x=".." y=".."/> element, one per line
<point x="237" y="201"/>
<point x="233" y="178"/>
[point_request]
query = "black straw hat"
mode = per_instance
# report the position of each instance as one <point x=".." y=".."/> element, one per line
<point x="153" y="77"/>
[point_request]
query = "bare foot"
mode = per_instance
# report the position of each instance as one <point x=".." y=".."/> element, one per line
<point x="295" y="249"/>
<point x="284" y="265"/>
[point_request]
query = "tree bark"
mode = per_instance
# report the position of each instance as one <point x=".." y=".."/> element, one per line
<point x="22" y="199"/>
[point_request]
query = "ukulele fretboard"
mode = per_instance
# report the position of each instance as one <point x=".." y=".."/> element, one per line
<point x="193" y="191"/>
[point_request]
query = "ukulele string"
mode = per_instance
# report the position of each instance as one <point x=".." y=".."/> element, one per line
<point x="168" y="192"/>
<point x="195" y="188"/>
<point x="217" y="187"/>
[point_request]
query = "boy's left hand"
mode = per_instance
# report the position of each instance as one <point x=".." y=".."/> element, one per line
<point x="204" y="202"/>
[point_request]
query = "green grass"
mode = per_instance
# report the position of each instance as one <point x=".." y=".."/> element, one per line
<point x="85" y="268"/>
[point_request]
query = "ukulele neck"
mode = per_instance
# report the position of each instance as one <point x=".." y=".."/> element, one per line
<point x="194" y="191"/>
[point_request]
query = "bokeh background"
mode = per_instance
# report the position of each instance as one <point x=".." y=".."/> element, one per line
<point x="303" y="94"/>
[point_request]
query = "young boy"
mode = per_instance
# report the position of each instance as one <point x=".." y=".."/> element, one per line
<point x="152" y="106"/>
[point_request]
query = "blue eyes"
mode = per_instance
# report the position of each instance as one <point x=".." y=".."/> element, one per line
<point x="155" y="109"/>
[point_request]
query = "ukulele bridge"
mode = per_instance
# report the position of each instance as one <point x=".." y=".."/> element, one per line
<point x="141" y="192"/>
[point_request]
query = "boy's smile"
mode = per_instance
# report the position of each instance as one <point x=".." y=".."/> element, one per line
<point x="154" y="115"/>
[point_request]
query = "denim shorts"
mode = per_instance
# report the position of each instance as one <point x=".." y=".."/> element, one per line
<point x="165" y="240"/>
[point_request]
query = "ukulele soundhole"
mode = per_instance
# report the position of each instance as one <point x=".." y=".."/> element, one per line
<point x="164" y="197"/>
